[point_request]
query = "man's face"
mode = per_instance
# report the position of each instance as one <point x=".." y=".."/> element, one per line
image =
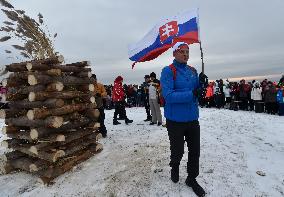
<point x="181" y="55"/>
<point x="147" y="79"/>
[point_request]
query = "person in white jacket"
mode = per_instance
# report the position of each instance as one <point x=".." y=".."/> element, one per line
<point x="227" y="94"/>
<point x="256" y="93"/>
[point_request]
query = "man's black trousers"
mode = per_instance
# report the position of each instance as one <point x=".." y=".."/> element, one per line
<point x="179" y="133"/>
<point x="119" y="109"/>
<point x="102" y="121"/>
<point x="147" y="107"/>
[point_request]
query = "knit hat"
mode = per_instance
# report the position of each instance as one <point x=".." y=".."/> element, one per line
<point x="178" y="45"/>
<point x="118" y="79"/>
<point x="153" y="75"/>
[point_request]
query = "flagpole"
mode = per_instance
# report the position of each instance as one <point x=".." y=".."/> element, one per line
<point x="201" y="57"/>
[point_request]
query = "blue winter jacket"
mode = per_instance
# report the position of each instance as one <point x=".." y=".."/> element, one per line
<point x="180" y="103"/>
<point x="280" y="96"/>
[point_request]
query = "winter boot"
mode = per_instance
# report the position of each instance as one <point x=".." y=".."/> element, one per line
<point x="115" y="122"/>
<point x="175" y="173"/>
<point x="149" y="118"/>
<point x="128" y="121"/>
<point x="198" y="190"/>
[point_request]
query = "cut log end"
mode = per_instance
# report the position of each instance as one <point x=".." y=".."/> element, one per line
<point x="29" y="66"/>
<point x="4" y="98"/>
<point x="34" y="134"/>
<point x="4" y="144"/>
<point x="33" y="150"/>
<point x="91" y="87"/>
<point x="97" y="125"/>
<point x="60" y="138"/>
<point x="99" y="136"/>
<point x="32" y="80"/>
<point x="2" y="115"/>
<point x="4" y="130"/>
<point x="60" y="58"/>
<point x="33" y="168"/>
<point x="32" y="96"/>
<point x="58" y="121"/>
<point x="58" y="154"/>
<point x="93" y="100"/>
<point x="4" y="82"/>
<point x="30" y="114"/>
<point x="59" y="86"/>
<point x="99" y="147"/>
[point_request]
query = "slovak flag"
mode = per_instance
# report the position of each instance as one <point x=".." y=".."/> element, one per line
<point x="180" y="28"/>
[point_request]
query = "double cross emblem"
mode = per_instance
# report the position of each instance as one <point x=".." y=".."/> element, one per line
<point x="167" y="30"/>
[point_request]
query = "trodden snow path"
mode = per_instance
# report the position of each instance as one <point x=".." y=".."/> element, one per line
<point x="134" y="162"/>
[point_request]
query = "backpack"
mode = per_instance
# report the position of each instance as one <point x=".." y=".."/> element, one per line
<point x="161" y="99"/>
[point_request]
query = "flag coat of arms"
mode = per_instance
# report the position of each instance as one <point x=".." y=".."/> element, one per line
<point x="180" y="28"/>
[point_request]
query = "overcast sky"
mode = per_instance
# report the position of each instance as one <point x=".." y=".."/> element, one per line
<point x="240" y="38"/>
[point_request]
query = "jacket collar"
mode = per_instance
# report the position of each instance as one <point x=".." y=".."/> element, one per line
<point x="180" y="65"/>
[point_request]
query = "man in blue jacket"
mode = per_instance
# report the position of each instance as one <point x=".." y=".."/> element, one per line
<point x="180" y="85"/>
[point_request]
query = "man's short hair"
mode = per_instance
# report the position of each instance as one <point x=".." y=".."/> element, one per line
<point x="146" y="76"/>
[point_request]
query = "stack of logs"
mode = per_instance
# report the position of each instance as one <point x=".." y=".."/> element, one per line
<point x="52" y="118"/>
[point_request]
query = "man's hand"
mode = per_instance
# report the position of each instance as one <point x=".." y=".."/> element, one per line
<point x="203" y="79"/>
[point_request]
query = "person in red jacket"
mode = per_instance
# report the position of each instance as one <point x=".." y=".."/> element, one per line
<point x="118" y="99"/>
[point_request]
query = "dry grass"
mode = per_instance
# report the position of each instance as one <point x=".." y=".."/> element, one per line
<point x="33" y="36"/>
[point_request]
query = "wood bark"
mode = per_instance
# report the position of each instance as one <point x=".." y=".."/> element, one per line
<point x="40" y="96"/>
<point x="92" y="114"/>
<point x="13" y="129"/>
<point x="40" y="113"/>
<point x="26" y="89"/>
<point x="13" y="97"/>
<point x="63" y="68"/>
<point x="14" y="82"/>
<point x="30" y="136"/>
<point x="13" y="155"/>
<point x="12" y="113"/>
<point x="24" y="74"/>
<point x="78" y="144"/>
<point x="18" y="67"/>
<point x="83" y="74"/>
<point x="56" y="86"/>
<point x="49" y="103"/>
<point x="64" y="165"/>
<point x="65" y="128"/>
<point x="48" y="155"/>
<point x="79" y="64"/>
<point x="28" y="164"/>
<point x="51" y="122"/>
<point x="87" y="88"/>
<point x="34" y="79"/>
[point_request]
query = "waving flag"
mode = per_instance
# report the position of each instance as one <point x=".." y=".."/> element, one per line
<point x="180" y="28"/>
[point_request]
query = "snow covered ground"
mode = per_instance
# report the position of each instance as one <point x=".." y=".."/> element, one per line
<point x="134" y="162"/>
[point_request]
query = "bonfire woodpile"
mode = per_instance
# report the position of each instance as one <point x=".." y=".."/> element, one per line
<point x="52" y="120"/>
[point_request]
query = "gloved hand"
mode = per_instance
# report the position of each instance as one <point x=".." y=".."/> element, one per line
<point x="203" y="79"/>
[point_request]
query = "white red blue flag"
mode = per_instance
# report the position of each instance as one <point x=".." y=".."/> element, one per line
<point x="180" y="28"/>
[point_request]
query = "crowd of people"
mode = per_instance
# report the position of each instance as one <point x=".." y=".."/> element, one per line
<point x="264" y="96"/>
